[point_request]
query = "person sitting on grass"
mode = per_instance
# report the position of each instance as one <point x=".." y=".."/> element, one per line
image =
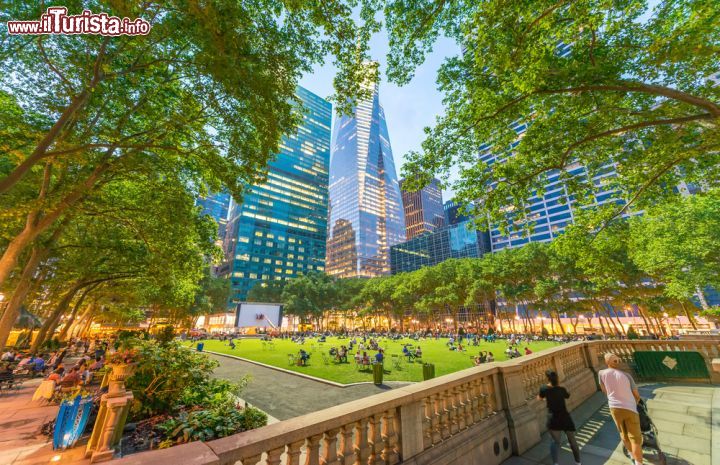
<point x="418" y="352"/>
<point x="490" y="358"/>
<point x="528" y="351"/>
<point x="342" y="355"/>
<point x="460" y="347"/>
<point x="516" y="353"/>
<point x="358" y="357"/>
<point x="406" y="352"/>
<point x="303" y="357"/>
<point x="365" y="359"/>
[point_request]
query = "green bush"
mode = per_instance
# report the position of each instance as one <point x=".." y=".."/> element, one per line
<point x="165" y="335"/>
<point x="170" y="377"/>
<point x="213" y="423"/>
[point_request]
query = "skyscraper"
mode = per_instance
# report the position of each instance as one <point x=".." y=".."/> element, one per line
<point x="453" y="215"/>
<point x="423" y="209"/>
<point x="366" y="214"/>
<point x="216" y="205"/>
<point x="280" y="228"/>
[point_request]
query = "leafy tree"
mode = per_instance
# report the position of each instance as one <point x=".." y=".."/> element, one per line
<point x="205" y="95"/>
<point x="678" y="244"/>
<point x="598" y="84"/>
<point x="266" y="291"/>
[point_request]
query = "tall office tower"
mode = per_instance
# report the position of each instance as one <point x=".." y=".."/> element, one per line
<point x="279" y="231"/>
<point x="452" y="213"/>
<point x="366" y="215"/>
<point x="423" y="209"/>
<point x="547" y="214"/>
<point x="550" y="213"/>
<point x="216" y="205"/>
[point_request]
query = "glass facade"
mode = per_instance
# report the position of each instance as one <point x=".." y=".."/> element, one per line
<point x="279" y="231"/>
<point x="423" y="209"/>
<point x="365" y="214"/>
<point x="216" y="205"/>
<point x="550" y="212"/>
<point x="452" y="213"/>
<point x="461" y="240"/>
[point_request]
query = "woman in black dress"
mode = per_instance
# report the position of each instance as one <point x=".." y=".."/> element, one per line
<point x="559" y="419"/>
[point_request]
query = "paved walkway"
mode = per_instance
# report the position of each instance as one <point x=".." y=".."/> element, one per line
<point x="687" y="417"/>
<point x="20" y="421"/>
<point x="285" y="396"/>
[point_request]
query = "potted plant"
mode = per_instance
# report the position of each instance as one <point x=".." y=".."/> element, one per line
<point x="122" y="364"/>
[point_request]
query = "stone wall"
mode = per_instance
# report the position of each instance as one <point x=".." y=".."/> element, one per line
<point x="479" y="415"/>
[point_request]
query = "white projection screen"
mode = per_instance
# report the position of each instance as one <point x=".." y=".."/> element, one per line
<point x="258" y="315"/>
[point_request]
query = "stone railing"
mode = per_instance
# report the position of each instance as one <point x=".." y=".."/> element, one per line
<point x="483" y="414"/>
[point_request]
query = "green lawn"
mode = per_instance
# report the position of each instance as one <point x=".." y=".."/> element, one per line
<point x="434" y="351"/>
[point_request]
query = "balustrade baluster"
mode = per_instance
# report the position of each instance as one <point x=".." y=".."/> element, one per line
<point x="361" y="446"/>
<point x="294" y="451"/>
<point x="273" y="457"/>
<point x="375" y="437"/>
<point x="391" y="449"/>
<point x="475" y="399"/>
<point x="252" y="460"/>
<point x="329" y="454"/>
<point x="445" y="415"/>
<point x="428" y="413"/>
<point x="312" y="450"/>
<point x="436" y="402"/>
<point x="347" y="451"/>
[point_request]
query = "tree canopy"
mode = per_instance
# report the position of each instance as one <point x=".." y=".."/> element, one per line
<point x="604" y="85"/>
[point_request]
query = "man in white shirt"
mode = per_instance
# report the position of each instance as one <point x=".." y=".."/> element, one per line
<point x="623" y="397"/>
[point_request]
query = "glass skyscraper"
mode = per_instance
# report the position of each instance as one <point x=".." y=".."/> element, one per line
<point x="460" y="240"/>
<point x="216" y="205"/>
<point x="548" y="214"/>
<point x="366" y="214"/>
<point x="279" y="231"/>
<point x="423" y="209"/>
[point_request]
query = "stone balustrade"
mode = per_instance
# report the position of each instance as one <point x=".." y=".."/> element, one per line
<point x="479" y="415"/>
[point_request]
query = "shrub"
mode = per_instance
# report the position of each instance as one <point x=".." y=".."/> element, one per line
<point x="213" y="423"/>
<point x="169" y="377"/>
<point x="165" y="335"/>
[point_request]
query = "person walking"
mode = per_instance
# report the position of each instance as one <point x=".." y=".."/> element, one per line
<point x="623" y="396"/>
<point x="559" y="418"/>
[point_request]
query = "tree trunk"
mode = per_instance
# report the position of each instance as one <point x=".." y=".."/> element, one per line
<point x="20" y="293"/>
<point x="73" y="314"/>
<point x="689" y="315"/>
<point x="55" y="316"/>
<point x="80" y="322"/>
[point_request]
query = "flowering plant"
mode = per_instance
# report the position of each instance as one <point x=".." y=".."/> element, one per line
<point x="122" y="356"/>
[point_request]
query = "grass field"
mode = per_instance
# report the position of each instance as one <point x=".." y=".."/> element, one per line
<point x="434" y="351"/>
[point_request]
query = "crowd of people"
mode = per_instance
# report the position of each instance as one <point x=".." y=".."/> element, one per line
<point x="88" y="358"/>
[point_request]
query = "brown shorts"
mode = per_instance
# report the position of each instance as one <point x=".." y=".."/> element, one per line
<point x="628" y="423"/>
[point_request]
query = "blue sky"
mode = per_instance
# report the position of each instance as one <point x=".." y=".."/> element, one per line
<point x="408" y="109"/>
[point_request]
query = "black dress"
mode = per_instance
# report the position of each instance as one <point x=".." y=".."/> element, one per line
<point x="558" y="417"/>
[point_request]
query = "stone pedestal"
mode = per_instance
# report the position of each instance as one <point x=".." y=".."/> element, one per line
<point x="110" y="422"/>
